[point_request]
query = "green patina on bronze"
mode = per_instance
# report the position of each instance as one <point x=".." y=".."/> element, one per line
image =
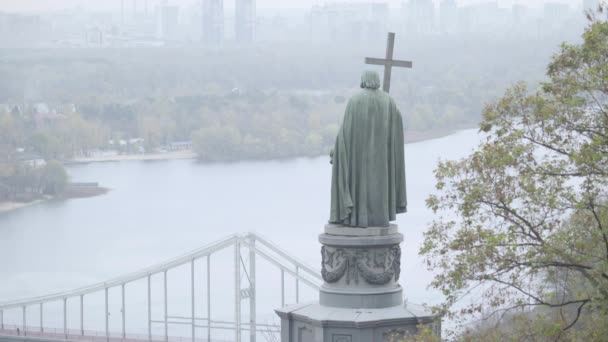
<point x="368" y="172"/>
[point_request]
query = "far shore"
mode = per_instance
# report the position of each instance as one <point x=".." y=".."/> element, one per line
<point x="410" y="137"/>
<point x="82" y="192"/>
<point x="186" y="154"/>
<point x="11" y="206"/>
<point x="71" y="192"/>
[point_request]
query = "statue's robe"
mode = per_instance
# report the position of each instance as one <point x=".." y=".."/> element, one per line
<point x="368" y="167"/>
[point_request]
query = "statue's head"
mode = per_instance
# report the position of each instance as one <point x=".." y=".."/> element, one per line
<point x="370" y="80"/>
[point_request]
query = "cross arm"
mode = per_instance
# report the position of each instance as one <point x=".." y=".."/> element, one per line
<point x="394" y="63"/>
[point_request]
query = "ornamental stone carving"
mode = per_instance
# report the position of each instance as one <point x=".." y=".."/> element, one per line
<point x="377" y="266"/>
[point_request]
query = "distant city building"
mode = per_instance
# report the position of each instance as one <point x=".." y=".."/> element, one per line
<point x="212" y="22"/>
<point x="377" y="21"/>
<point x="519" y="14"/>
<point x="180" y="146"/>
<point x="129" y="10"/>
<point x="245" y="16"/>
<point x="349" y="22"/>
<point x="167" y="22"/>
<point x="419" y="16"/>
<point x="484" y="18"/>
<point x="590" y="4"/>
<point x="94" y="36"/>
<point x="448" y="16"/>
<point x="19" y="30"/>
<point x="555" y="16"/>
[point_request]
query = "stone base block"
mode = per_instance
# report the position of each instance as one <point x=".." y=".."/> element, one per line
<point x="318" y="323"/>
<point x="372" y="298"/>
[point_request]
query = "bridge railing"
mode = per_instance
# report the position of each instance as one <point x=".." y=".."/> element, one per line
<point x="254" y="243"/>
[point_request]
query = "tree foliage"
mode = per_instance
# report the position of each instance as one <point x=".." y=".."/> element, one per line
<point x="53" y="178"/>
<point x="24" y="182"/>
<point x="522" y="223"/>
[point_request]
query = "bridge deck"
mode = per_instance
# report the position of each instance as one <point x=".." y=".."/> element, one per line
<point x="52" y="334"/>
<point x="243" y="289"/>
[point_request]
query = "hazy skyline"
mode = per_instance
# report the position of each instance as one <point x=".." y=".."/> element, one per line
<point x="43" y="5"/>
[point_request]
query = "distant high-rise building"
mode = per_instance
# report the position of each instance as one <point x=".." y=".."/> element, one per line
<point x="19" y="30"/>
<point x="245" y="13"/>
<point x="167" y="21"/>
<point x="519" y="13"/>
<point x="484" y="18"/>
<point x="420" y="16"/>
<point x="128" y="10"/>
<point x="349" y="22"/>
<point x="377" y="21"/>
<point x="590" y="4"/>
<point x="522" y="22"/>
<point x="448" y="16"/>
<point x="94" y="36"/>
<point x="213" y="22"/>
<point x="555" y="12"/>
<point x="555" y="17"/>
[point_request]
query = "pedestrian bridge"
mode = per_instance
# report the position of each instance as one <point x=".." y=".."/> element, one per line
<point x="199" y="323"/>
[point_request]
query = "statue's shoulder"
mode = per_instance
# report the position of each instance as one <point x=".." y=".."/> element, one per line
<point x="357" y="98"/>
<point x="389" y="97"/>
<point x="365" y="95"/>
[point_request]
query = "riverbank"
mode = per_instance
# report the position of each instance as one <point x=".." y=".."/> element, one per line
<point x="186" y="154"/>
<point x="82" y="191"/>
<point x="410" y="137"/>
<point x="12" y="206"/>
<point x="71" y="192"/>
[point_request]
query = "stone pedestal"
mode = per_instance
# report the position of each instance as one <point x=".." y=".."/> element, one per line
<point x="361" y="299"/>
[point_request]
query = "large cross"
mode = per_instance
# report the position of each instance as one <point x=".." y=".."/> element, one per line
<point x="388" y="62"/>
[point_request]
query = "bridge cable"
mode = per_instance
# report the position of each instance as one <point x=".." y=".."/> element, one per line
<point x="244" y="268"/>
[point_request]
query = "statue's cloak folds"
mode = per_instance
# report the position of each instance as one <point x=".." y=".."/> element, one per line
<point x="368" y="172"/>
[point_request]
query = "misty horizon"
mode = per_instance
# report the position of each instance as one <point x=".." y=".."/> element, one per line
<point x="115" y="5"/>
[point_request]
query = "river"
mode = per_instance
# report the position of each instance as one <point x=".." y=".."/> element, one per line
<point x="163" y="209"/>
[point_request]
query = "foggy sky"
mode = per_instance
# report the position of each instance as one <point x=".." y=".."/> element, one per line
<point x="42" y="5"/>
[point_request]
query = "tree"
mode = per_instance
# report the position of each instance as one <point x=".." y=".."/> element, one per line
<point x="217" y="143"/>
<point x="46" y="145"/>
<point x="522" y="223"/>
<point x="53" y="178"/>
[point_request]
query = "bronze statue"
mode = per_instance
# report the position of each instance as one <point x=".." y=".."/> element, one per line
<point x="368" y="172"/>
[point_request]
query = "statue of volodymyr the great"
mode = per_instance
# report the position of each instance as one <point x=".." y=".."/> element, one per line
<point x="368" y="167"/>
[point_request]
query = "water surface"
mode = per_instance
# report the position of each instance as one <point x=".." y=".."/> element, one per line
<point x="160" y="210"/>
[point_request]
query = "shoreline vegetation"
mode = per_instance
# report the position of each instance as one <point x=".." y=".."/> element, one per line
<point x="71" y="192"/>
<point x="410" y="138"/>
<point x="185" y="154"/>
<point x="151" y="101"/>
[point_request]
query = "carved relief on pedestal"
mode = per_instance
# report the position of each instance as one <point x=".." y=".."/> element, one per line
<point x="377" y="266"/>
